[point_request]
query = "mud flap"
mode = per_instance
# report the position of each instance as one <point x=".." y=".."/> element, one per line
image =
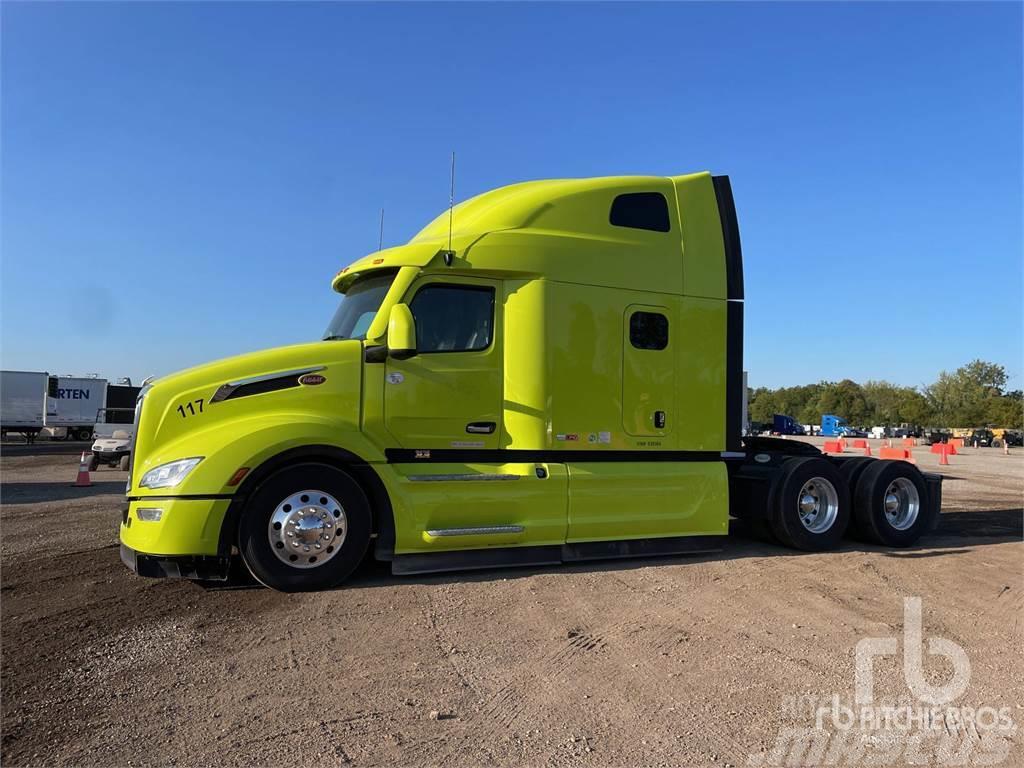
<point x="934" y="483"/>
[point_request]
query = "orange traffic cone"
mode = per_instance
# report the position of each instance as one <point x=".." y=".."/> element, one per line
<point x="944" y="456"/>
<point x="83" y="480"/>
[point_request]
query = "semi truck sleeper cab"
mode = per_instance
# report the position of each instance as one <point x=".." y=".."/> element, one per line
<point x="551" y="371"/>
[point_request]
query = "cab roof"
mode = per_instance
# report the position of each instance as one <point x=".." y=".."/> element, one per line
<point x="554" y="207"/>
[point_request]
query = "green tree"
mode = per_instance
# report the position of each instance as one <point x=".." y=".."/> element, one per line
<point x="762" y="404"/>
<point x="961" y="398"/>
<point x="971" y="396"/>
<point x="1004" y="412"/>
<point x="914" y="408"/>
<point x="845" y="399"/>
<point x="883" y="401"/>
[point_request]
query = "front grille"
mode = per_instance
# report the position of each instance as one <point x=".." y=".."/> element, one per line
<point x="135" y="437"/>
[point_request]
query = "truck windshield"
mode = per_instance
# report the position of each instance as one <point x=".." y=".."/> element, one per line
<point x="359" y="305"/>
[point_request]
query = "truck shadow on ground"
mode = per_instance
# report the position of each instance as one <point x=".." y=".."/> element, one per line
<point x="34" y="493"/>
<point x="957" y="533"/>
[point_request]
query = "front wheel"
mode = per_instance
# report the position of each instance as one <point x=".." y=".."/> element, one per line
<point x="305" y="528"/>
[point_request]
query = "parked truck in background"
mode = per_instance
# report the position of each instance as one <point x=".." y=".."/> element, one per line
<point x="1012" y="437"/>
<point x="786" y="425"/>
<point x="931" y="435"/>
<point x="550" y="372"/>
<point x="23" y="402"/>
<point x="832" y="426"/>
<point x="983" y="438"/>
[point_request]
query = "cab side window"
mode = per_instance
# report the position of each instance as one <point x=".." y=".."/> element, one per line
<point x="453" y="318"/>
<point x="648" y="330"/>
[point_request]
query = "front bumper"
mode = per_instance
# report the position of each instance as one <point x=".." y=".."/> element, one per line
<point x="207" y="568"/>
<point x="188" y="527"/>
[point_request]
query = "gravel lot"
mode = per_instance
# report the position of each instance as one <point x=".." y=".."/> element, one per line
<point x="676" y="661"/>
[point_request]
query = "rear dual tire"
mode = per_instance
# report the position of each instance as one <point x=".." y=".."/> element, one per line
<point x="891" y="504"/>
<point x="811" y="507"/>
<point x="883" y="502"/>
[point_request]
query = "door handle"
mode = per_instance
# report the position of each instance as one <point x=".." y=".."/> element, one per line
<point x="480" y="427"/>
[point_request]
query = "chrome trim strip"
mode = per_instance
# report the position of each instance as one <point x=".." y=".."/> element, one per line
<point x="487" y="529"/>
<point x="224" y="390"/>
<point x="468" y="477"/>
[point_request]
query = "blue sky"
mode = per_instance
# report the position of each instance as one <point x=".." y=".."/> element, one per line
<point x="180" y="182"/>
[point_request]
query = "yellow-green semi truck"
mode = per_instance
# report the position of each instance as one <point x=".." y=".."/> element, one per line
<point x="551" y="371"/>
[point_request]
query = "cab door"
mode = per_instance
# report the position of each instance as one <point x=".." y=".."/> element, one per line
<point x="449" y="395"/>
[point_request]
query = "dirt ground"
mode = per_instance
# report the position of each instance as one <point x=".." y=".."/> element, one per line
<point x="674" y="661"/>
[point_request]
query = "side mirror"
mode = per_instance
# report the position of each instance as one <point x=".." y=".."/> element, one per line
<point x="401" y="333"/>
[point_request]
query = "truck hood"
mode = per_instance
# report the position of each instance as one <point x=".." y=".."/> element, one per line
<point x="191" y="412"/>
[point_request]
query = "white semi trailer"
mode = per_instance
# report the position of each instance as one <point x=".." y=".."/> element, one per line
<point x="23" y="402"/>
<point x="72" y="404"/>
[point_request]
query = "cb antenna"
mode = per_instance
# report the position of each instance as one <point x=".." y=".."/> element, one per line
<point x="450" y="254"/>
<point x="380" y="239"/>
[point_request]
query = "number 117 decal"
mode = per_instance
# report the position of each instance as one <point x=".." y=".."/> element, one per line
<point x="191" y="408"/>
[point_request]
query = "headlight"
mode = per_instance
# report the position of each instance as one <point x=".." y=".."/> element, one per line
<point x="169" y="475"/>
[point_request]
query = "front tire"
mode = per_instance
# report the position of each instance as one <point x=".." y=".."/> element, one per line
<point x="890" y="504"/>
<point x="811" y="508"/>
<point x="305" y="528"/>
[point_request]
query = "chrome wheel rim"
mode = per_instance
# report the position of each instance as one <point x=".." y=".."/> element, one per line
<point x="902" y="503"/>
<point x="817" y="505"/>
<point x="307" y="529"/>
